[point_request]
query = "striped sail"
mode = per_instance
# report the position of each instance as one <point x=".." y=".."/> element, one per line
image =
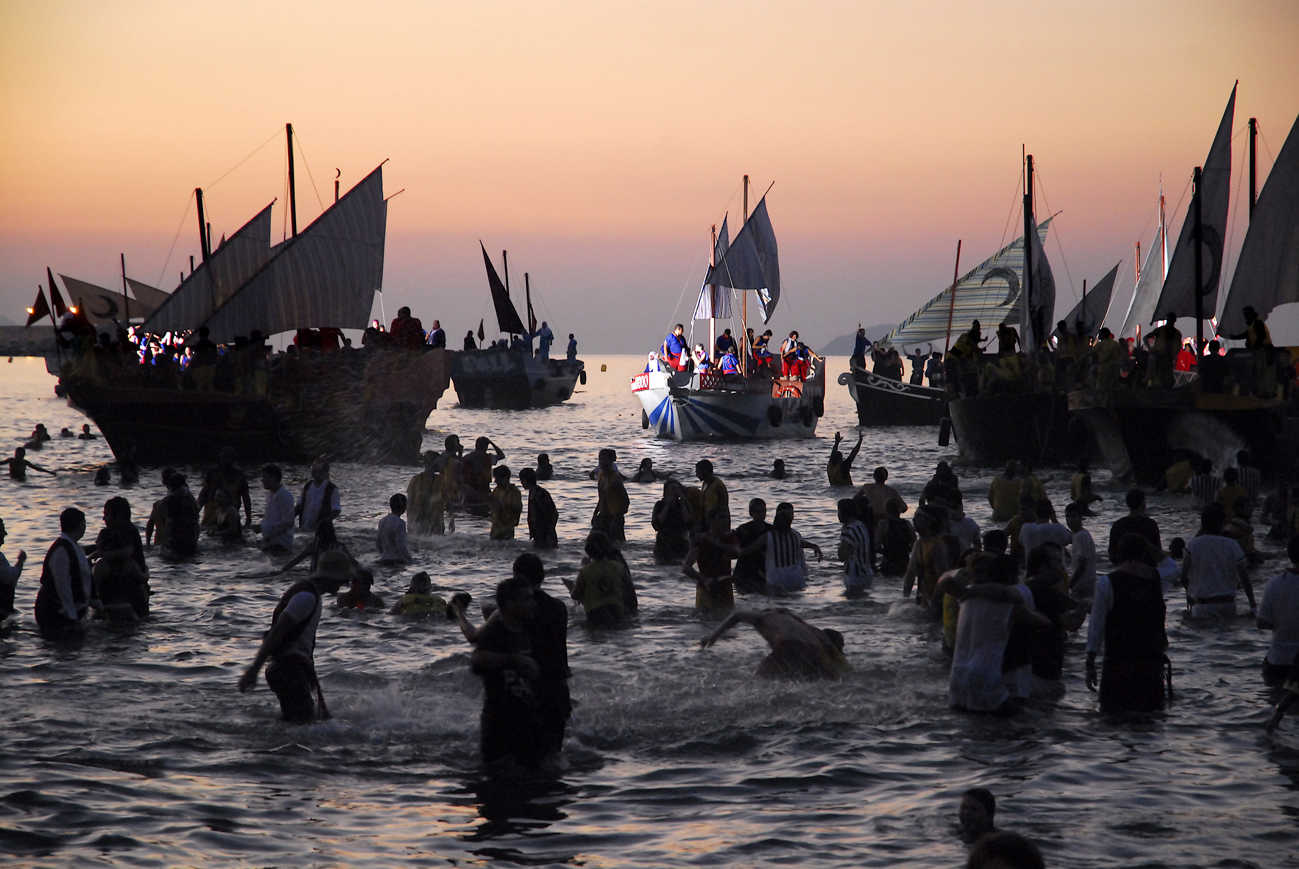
<point x="327" y="275"/>
<point x="149" y="297"/>
<point x="989" y="293"/>
<point x="1267" y="272"/>
<point x="216" y="280"/>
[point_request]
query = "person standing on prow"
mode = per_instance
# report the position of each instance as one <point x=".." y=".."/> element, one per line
<point x="320" y="499"/>
<point x="66" y="580"/>
<point x="290" y="644"/>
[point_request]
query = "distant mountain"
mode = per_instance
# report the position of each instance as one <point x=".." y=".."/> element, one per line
<point x="5" y="321"/>
<point x="842" y="346"/>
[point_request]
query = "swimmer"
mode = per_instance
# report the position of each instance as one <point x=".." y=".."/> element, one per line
<point x="40" y="434"/>
<point x="419" y="601"/>
<point x="839" y="468"/>
<point x="66" y="432"/>
<point x="103" y="477"/>
<point x="978" y="808"/>
<point x="777" y="471"/>
<point x="798" y="649"/>
<point x="545" y="470"/>
<point x="360" y="594"/>
<point x="646" y="473"/>
<point x="86" y="433"/>
<point x="18" y="465"/>
<point x="9" y="577"/>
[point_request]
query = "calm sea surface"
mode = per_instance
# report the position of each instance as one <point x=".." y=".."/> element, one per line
<point x="135" y="748"/>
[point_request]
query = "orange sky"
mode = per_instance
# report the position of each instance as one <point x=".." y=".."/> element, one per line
<point x="598" y="141"/>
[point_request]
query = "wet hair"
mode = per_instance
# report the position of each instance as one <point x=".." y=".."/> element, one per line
<point x="756" y="506"/>
<point x="450" y="442"/>
<point x="272" y="471"/>
<point x="397" y="503"/>
<point x="984" y="797"/>
<point x="529" y="567"/>
<point x="847" y="510"/>
<point x="1135" y="499"/>
<point x="1037" y="559"/>
<point x="70" y="519"/>
<point x="1134" y="547"/>
<point x="528" y="477"/>
<point x="607" y="453"/>
<point x="893" y="506"/>
<point x="784" y="518"/>
<point x="704" y="466"/>
<point x="501" y="473"/>
<point x="880" y="474"/>
<point x="1073" y="508"/>
<point x="598" y="545"/>
<point x="482" y="443"/>
<point x="516" y="586"/>
<point x="1213" y="518"/>
<point x="995" y="541"/>
<point x="118" y="508"/>
<point x="1009" y="850"/>
<point x="420" y="583"/>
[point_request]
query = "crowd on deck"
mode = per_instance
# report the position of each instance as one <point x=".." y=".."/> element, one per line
<point x="752" y="356"/>
<point x="1075" y="359"/>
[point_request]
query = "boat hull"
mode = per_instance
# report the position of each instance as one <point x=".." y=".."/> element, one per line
<point x="884" y="402"/>
<point x="1032" y="427"/>
<point x="366" y="406"/>
<point x="506" y="380"/>
<point x="683" y="407"/>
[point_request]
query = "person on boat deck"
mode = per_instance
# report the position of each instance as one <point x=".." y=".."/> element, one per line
<point x="65" y="590"/>
<point x="798" y="650"/>
<point x="724" y="343"/>
<point x="437" y="336"/>
<point x="572" y="348"/>
<point x="1185" y="357"/>
<point x="700" y="358"/>
<point x="1167" y="343"/>
<point x="673" y="352"/>
<point x="839" y="468"/>
<point x="545" y="338"/>
<point x="762" y="350"/>
<point x="18" y="465"/>
<point x="1007" y="339"/>
<point x="964" y="358"/>
<point x="860" y="344"/>
<point x="934" y="370"/>
<point x="320" y="498"/>
<point x="652" y="363"/>
<point x="470" y="343"/>
<point x="406" y="331"/>
<point x="789" y="365"/>
<point x="729" y="363"/>
<point x="917" y="360"/>
<point x="1256" y="334"/>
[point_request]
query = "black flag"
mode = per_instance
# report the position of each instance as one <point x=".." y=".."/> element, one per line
<point x="56" y="298"/>
<point x="40" y="308"/>
<point x="481" y="334"/>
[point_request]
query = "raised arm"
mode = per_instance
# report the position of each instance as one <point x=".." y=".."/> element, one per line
<point x="735" y="618"/>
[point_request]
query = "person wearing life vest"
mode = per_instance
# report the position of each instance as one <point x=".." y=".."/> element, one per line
<point x="789" y="356"/>
<point x="729" y="363"/>
<point x="66" y="582"/>
<point x="700" y="358"/>
<point x="652" y="363"/>
<point x="290" y="644"/>
<point x="673" y="351"/>
<point x="803" y="356"/>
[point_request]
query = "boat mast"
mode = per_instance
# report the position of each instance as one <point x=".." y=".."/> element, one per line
<point x="712" y="292"/>
<point x="126" y="300"/>
<point x="1253" y="156"/>
<point x="951" y="307"/>
<point x="204" y="244"/>
<point x="293" y="198"/>
<point x="1197" y="237"/>
<point x="744" y="296"/>
<point x="1028" y="254"/>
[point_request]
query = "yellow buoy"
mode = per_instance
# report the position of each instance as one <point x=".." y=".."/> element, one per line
<point x="604" y="367"/>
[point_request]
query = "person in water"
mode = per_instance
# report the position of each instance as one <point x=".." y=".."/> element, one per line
<point x="291" y="642"/>
<point x="854" y="549"/>
<point x="612" y="502"/>
<point x="9" y="574"/>
<point x="419" y="602"/>
<point x="360" y="594"/>
<point x="86" y="433"/>
<point x="715" y="500"/>
<point x="505" y="506"/>
<point x="646" y="473"/>
<point x="1212" y="567"/>
<point x="277" y="516"/>
<point x="839" y="468"/>
<point x="671" y="520"/>
<point x="391" y="538"/>
<point x="121" y="588"/>
<point x="424" y="497"/>
<point x="1278" y="613"/>
<point x="777" y="471"/>
<point x="181" y="510"/>
<point x="1005" y="851"/>
<point x="19" y="465"/>
<point x="1127" y="623"/>
<point x="504" y="658"/>
<point x="798" y="650"/>
<point x="782" y="548"/>
<point x="750" y="573"/>
<point x="977" y="814"/>
<point x="476" y="475"/>
<point x="879" y="492"/>
<point x="542" y="513"/>
<point x="604" y="586"/>
<point x="66" y="582"/>
<point x="228" y="477"/>
<point x="545" y="471"/>
<point x="320" y="498"/>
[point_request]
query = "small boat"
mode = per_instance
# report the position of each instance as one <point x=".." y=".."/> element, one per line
<point x="512" y="377"/>
<point x="367" y="405"/>
<point x="698" y="405"/>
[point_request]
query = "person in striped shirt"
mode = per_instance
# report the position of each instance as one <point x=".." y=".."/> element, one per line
<point x="854" y="549"/>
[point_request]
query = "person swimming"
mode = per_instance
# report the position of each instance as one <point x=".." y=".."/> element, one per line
<point x="798" y="650"/>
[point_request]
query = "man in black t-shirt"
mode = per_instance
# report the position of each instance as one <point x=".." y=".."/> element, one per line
<point x="503" y="657"/>
<point x="1136" y="522"/>
<point x="750" y="571"/>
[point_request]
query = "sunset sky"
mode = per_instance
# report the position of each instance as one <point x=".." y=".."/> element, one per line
<point x="597" y="142"/>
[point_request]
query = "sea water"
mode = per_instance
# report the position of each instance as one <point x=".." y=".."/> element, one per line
<point x="134" y="747"/>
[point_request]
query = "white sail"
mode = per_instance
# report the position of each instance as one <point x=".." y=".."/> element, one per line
<point x="751" y="262"/>
<point x="1092" y="307"/>
<point x="1267" y="272"/>
<point x="216" y="280"/>
<point x="1035" y="319"/>
<point x="989" y="293"/>
<point x="1146" y="292"/>
<point x="715" y="302"/>
<point x="327" y="275"/>
<point x="1178" y="296"/>
<point x="149" y="297"/>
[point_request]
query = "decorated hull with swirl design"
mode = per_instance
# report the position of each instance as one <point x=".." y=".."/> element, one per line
<point x="685" y="407"/>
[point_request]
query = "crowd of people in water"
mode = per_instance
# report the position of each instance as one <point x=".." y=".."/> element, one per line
<point x="752" y="356"/>
<point x="1073" y="358"/>
<point x="1004" y="599"/>
<point x="243" y="366"/>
